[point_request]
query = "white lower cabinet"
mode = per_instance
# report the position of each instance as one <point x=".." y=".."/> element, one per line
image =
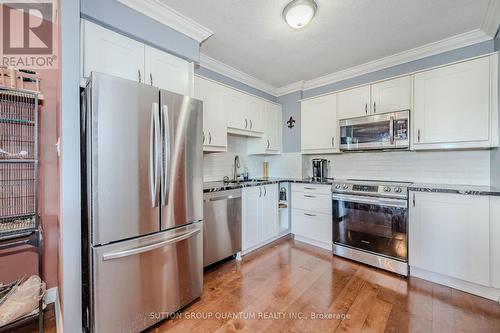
<point x="312" y="214"/>
<point x="260" y="220"/>
<point x="449" y="234"/>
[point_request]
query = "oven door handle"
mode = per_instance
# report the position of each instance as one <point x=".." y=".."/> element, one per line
<point x="369" y="200"/>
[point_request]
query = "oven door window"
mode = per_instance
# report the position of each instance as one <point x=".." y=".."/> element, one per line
<point x="371" y="227"/>
<point x="366" y="135"/>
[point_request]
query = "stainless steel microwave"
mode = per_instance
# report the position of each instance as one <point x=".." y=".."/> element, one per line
<point x="376" y="132"/>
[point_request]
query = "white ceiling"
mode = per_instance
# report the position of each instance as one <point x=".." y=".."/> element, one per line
<point x="251" y="36"/>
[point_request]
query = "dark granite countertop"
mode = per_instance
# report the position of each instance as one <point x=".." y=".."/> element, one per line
<point x="221" y="186"/>
<point x="458" y="189"/>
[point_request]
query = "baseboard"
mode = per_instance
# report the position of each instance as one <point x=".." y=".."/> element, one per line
<point x="469" y="287"/>
<point x="59" y="317"/>
<point x="309" y="241"/>
<point x="51" y="295"/>
<point x="258" y="246"/>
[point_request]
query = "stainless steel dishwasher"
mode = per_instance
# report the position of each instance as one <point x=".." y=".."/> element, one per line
<point x="222" y="225"/>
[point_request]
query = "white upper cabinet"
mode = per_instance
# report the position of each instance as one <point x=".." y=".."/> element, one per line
<point x="214" y="115"/>
<point x="353" y="102"/>
<point x="270" y="142"/>
<point x="386" y="96"/>
<point x="456" y="106"/>
<point x="108" y="52"/>
<point x="319" y="125"/>
<point x="391" y="95"/>
<point x="255" y="113"/>
<point x="168" y="72"/>
<point x="245" y="113"/>
<point x="450" y="235"/>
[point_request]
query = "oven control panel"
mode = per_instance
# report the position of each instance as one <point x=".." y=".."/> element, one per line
<point x="386" y="189"/>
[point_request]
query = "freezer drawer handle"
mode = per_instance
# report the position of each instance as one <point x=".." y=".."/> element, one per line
<point x="147" y="248"/>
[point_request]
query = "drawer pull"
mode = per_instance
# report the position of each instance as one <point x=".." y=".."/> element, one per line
<point x="309" y="188"/>
<point x="309" y="214"/>
<point x="309" y="196"/>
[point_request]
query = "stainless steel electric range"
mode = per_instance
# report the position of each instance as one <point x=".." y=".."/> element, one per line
<point x="370" y="223"/>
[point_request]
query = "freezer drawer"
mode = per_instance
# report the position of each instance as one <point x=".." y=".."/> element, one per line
<point x="137" y="283"/>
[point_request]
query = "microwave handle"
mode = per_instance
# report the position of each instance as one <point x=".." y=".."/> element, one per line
<point x="391" y="130"/>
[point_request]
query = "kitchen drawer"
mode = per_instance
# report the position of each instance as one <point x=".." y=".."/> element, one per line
<point x="312" y="188"/>
<point x="319" y="203"/>
<point x="314" y="226"/>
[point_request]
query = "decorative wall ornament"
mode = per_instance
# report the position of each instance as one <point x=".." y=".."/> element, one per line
<point x="291" y="123"/>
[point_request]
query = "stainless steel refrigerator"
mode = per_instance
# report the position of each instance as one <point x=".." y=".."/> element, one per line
<point x="142" y="203"/>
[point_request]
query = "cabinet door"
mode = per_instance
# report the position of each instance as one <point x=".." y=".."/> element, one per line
<point x="255" y="113"/>
<point x="270" y="217"/>
<point x="449" y="235"/>
<point x="353" y="102"/>
<point x="237" y="109"/>
<point x="251" y="216"/>
<point x="452" y="104"/>
<point x="275" y="119"/>
<point x="216" y="116"/>
<point x="108" y="52"/>
<point x="200" y="92"/>
<point x="391" y="95"/>
<point x="168" y="72"/>
<point x="319" y="124"/>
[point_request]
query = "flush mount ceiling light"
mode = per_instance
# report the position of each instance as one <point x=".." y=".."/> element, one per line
<point x="298" y="13"/>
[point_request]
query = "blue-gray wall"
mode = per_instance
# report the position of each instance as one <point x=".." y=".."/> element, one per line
<point x="409" y="67"/>
<point x="118" y="17"/>
<point x="291" y="108"/>
<point x="292" y="142"/>
<point x="205" y="72"/>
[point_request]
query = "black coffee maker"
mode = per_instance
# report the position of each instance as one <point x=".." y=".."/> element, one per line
<point x="320" y="169"/>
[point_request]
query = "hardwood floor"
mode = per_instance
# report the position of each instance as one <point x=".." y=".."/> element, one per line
<point x="32" y="327"/>
<point x="289" y="278"/>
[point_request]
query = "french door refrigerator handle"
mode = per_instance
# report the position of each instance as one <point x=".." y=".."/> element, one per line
<point x="147" y="248"/>
<point x="165" y="159"/>
<point x="153" y="155"/>
<point x="391" y="130"/>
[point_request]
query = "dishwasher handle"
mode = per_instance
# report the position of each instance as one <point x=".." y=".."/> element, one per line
<point x="224" y="197"/>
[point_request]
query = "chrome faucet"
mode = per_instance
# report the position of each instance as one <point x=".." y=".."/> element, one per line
<point x="236" y="166"/>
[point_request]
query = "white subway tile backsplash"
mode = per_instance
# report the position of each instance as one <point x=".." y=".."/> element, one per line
<point x="450" y="167"/>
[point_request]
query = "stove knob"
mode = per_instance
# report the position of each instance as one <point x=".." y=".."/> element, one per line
<point x="337" y="186"/>
<point x="387" y="189"/>
<point x="345" y="187"/>
<point x="398" y="190"/>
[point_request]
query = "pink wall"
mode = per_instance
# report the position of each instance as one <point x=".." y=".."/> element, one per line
<point x="25" y="262"/>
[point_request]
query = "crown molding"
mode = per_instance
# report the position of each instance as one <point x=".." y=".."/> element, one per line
<point x="289" y="88"/>
<point x="444" y="45"/>
<point x="233" y="73"/>
<point x="492" y="19"/>
<point x="162" y="13"/>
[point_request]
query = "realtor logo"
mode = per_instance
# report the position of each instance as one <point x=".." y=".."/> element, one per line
<point x="28" y="34"/>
